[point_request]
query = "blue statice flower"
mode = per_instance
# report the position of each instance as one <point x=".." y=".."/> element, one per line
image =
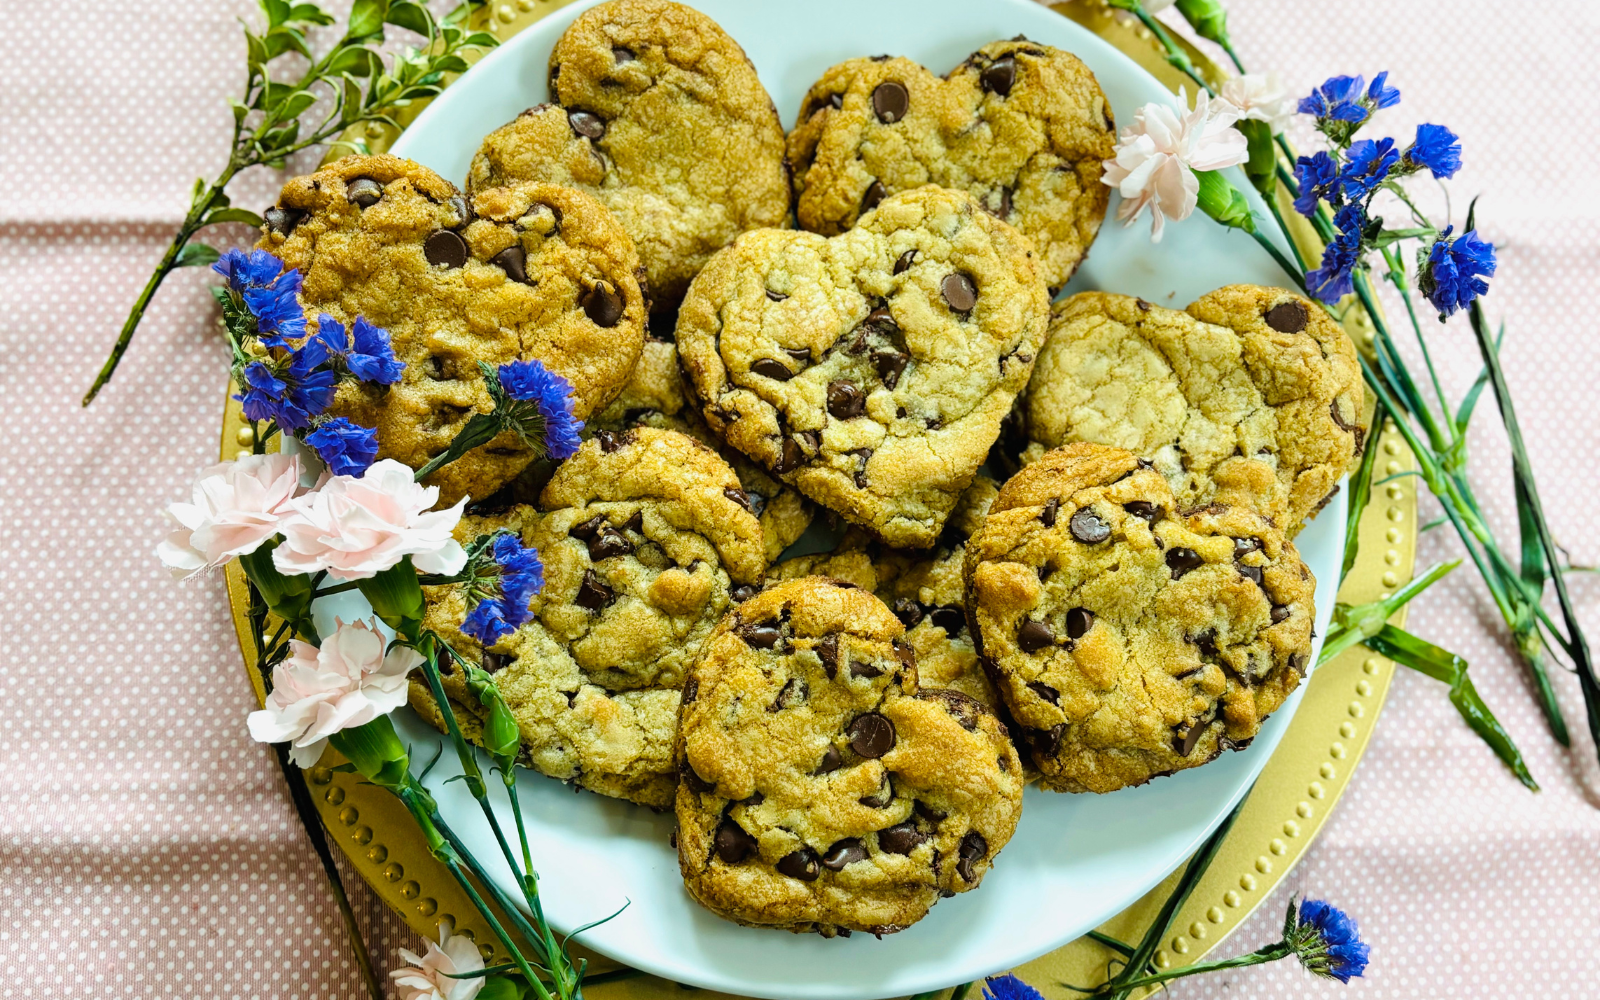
<point x="1332" y="281"/>
<point x="1368" y="165"/>
<point x="348" y="448"/>
<point x="1008" y="987"/>
<point x="1380" y="94"/>
<point x="1326" y="940"/>
<point x="371" y="359"/>
<point x="255" y="269"/>
<point x="291" y="391"/>
<point x="279" y="317"/>
<point x="1338" y="99"/>
<point x="1318" y="177"/>
<point x="1452" y="276"/>
<point x="513" y="578"/>
<point x="530" y="381"/>
<point x="1436" y="148"/>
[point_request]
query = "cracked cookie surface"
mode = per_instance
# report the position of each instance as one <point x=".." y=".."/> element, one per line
<point x="822" y="790"/>
<point x="644" y="545"/>
<point x="523" y="272"/>
<point x="658" y="114"/>
<point x="1020" y="126"/>
<point x="870" y="370"/>
<point x="1249" y="383"/>
<point x="1130" y="640"/>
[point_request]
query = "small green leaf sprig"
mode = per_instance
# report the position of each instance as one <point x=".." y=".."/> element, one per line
<point x="352" y="84"/>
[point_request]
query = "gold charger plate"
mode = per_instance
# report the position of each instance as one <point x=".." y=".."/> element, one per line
<point x="1281" y="816"/>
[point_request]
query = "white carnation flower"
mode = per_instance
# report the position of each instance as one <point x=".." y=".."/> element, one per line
<point x="425" y="979"/>
<point x="1262" y="97"/>
<point x="237" y="506"/>
<point x="1157" y="155"/>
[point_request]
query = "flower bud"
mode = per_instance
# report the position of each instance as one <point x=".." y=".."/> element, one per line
<point x="287" y="595"/>
<point x="376" y="752"/>
<point x="396" y="597"/>
<point x="1207" y="18"/>
<point x="1222" y="201"/>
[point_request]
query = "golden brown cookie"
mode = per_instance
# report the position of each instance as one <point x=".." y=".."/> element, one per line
<point x="870" y="370"/>
<point x="1128" y="639"/>
<point x="1249" y="384"/>
<point x="522" y="272"/>
<point x="659" y="115"/>
<point x="822" y="790"/>
<point x="1020" y="126"/>
<point x="645" y="545"/>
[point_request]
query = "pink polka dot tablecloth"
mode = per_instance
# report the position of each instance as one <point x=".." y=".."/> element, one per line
<point x="147" y="847"/>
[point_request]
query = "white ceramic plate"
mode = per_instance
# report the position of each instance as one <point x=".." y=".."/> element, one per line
<point x="1076" y="859"/>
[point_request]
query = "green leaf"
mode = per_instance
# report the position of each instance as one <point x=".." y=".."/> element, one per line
<point x="1470" y="400"/>
<point x="243" y="215"/>
<point x="272" y="95"/>
<point x="411" y="16"/>
<point x="277" y="11"/>
<point x="240" y="109"/>
<point x="480" y="40"/>
<point x="296" y="104"/>
<point x="366" y="18"/>
<point x="310" y="13"/>
<point x="280" y="138"/>
<point x="1386" y="237"/>
<point x="1361" y="491"/>
<point x="1262" y="164"/>
<point x="196" y="255"/>
<point x="281" y="40"/>
<point x="355" y="61"/>
<point x="255" y="50"/>
<point x="450" y="64"/>
<point x="1442" y="665"/>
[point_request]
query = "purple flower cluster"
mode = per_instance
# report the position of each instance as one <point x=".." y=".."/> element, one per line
<point x="532" y="382"/>
<point x="1453" y="275"/>
<point x="1328" y="942"/>
<point x="504" y="593"/>
<point x="268" y="292"/>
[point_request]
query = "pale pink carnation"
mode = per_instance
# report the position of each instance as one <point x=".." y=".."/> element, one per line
<point x="424" y="980"/>
<point x="356" y="528"/>
<point x="317" y="692"/>
<point x="237" y="506"/>
<point x="1157" y="155"/>
<point x="1262" y="97"/>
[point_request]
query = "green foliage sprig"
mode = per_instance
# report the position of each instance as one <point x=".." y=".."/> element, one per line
<point x="353" y="84"/>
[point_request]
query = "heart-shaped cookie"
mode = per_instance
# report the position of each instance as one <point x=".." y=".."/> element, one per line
<point x="1249" y="383"/>
<point x="659" y="115"/>
<point x="1020" y="126"/>
<point x="528" y="271"/>
<point x="870" y="370"/>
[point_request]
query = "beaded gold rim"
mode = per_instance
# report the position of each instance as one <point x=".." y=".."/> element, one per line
<point x="1282" y="815"/>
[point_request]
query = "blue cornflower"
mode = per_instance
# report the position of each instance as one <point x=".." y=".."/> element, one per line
<point x="291" y="394"/>
<point x="279" y="317"/>
<point x="371" y="359"/>
<point x="348" y="448"/>
<point x="1380" y="94"/>
<point x="1436" y="148"/>
<point x="1453" y="275"/>
<point x="1326" y="940"/>
<point x="1331" y="281"/>
<point x="1318" y="177"/>
<point x="530" y="381"/>
<point x="255" y="269"/>
<point x="1008" y="987"/>
<point x="1369" y="164"/>
<point x="1338" y="99"/>
<point x="515" y="576"/>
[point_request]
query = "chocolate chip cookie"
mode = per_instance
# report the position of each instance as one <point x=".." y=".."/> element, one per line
<point x="520" y="272"/>
<point x="870" y="370"/>
<point x="659" y="115"/>
<point x="1020" y="126"/>
<point x="1248" y="383"/>
<point x="654" y="397"/>
<point x="645" y="543"/>
<point x="1129" y="639"/>
<point x="822" y="790"/>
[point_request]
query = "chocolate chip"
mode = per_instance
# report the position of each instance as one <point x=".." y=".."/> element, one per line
<point x="902" y="838"/>
<point x="1244" y="546"/>
<point x="623" y="55"/>
<point x="890" y="101"/>
<point x="999" y="75"/>
<point x="863" y="455"/>
<point x="1079" y="622"/>
<point x="1338" y="418"/>
<point x="1140" y="508"/>
<point x="890" y="364"/>
<point x="908" y="611"/>
<point x="1280" y="613"/>
<point x="514" y="262"/>
<point x="951" y="619"/>
<point x="790" y="458"/>
<point x="871" y="735"/>
<point x="761" y="635"/>
<point x="609" y="442"/>
<point x="1047" y="742"/>
<point x="692" y="778"/>
<point x="744" y="593"/>
<point x="903" y="650"/>
<point x="776" y="296"/>
<point x="845" y="852"/>
<point x="1207" y="643"/>
<point x="1087" y="527"/>
<point x="1287" y="317"/>
<point x="801" y="864"/>
<point x="873" y="195"/>
<point x="494" y="662"/>
<point x="793" y="693"/>
<point x="1252" y="573"/>
<point x="733" y="844"/>
<point x="828" y="650"/>
<point x="445" y="248"/>
<point x="927" y="812"/>
<point x="586" y="124"/>
<point x="859" y="669"/>
<point x="738" y="496"/>
<point x="882" y="319"/>
<point x="831" y="761"/>
<point x="845" y="400"/>
<point x="879" y="799"/>
<point x="905" y="261"/>
<point x="635" y="522"/>
<point x="772" y="368"/>
<point x="363" y="191"/>
<point x="283" y="220"/>
<point x="1181" y="560"/>
<point x="753" y="799"/>
<point x="444" y="659"/>
<point x="1048" y="515"/>
<point x="1034" y="636"/>
<point x="810" y="441"/>
<point x="1185" y="740"/>
<point x="603" y="305"/>
<point x="1045" y="691"/>
<point x="973" y="848"/>
<point x="609" y="542"/>
<point x="593" y="594"/>
<point x="959" y="292"/>
<point x="588" y="529"/>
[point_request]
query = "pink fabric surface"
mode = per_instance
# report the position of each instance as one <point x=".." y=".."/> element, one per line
<point x="147" y="847"/>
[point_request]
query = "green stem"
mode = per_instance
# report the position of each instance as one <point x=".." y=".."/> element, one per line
<point x="1271" y="953"/>
<point x="1227" y="47"/>
<point x="1283" y="226"/>
<point x="1298" y="275"/>
<point x="1176" y="57"/>
<point x="1397" y="276"/>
